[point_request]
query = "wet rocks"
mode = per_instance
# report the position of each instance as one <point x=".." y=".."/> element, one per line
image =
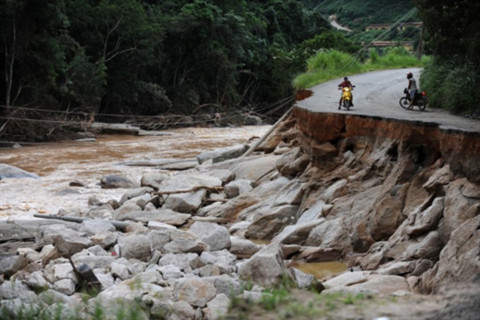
<point x="191" y="241"/>
<point x="7" y="171"/>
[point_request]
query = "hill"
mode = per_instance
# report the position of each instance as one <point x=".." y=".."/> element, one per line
<point x="357" y="14"/>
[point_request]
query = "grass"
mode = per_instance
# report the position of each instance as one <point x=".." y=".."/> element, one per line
<point x="332" y="64"/>
<point x="285" y="302"/>
<point x="118" y="311"/>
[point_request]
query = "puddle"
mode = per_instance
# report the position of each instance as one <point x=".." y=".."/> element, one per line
<point x="320" y="269"/>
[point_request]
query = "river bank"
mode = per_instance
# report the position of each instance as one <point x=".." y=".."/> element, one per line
<point x="194" y="232"/>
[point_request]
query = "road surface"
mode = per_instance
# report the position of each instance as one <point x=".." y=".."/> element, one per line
<point x="377" y="94"/>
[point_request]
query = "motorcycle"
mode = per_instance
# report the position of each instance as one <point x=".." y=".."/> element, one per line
<point x="346" y="101"/>
<point x="420" y="100"/>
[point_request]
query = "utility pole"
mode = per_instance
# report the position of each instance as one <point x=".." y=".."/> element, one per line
<point x="420" y="43"/>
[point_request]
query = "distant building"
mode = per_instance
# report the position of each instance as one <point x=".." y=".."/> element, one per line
<point x="408" y="45"/>
<point x="386" y="26"/>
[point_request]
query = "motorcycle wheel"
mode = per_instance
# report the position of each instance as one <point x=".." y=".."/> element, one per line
<point x="422" y="103"/>
<point x="346" y="104"/>
<point x="404" y="102"/>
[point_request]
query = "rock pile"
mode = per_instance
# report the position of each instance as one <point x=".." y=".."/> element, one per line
<point x="190" y="245"/>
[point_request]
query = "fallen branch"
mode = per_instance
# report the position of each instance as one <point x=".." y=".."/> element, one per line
<point x="194" y="189"/>
<point x="120" y="225"/>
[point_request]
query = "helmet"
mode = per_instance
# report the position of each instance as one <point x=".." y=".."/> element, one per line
<point x="345" y="78"/>
<point x="409" y="75"/>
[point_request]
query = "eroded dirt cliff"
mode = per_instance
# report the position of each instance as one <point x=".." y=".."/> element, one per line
<point x="399" y="197"/>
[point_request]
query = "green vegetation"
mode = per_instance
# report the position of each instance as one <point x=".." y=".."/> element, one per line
<point x="284" y="303"/>
<point x="58" y="311"/>
<point x="332" y="64"/>
<point x="452" y="78"/>
<point x="152" y="57"/>
<point x="357" y="14"/>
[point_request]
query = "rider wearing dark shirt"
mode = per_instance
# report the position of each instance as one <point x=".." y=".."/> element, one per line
<point x="345" y="83"/>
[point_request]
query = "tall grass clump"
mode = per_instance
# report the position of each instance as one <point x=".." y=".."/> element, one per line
<point x="396" y="57"/>
<point x="452" y="85"/>
<point x="324" y="66"/>
<point x="331" y="64"/>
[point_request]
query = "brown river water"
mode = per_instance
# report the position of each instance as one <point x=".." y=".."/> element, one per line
<point x="60" y="163"/>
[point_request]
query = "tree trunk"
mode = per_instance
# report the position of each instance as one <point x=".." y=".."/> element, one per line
<point x="10" y="61"/>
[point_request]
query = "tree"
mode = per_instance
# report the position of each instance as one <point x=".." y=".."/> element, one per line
<point x="32" y="34"/>
<point x="453" y="38"/>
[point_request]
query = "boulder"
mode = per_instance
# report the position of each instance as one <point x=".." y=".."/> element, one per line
<point x="116" y="181"/>
<point x="266" y="267"/>
<point x="152" y="180"/>
<point x="161" y="215"/>
<point x="97" y="226"/>
<point x="387" y="212"/>
<point x="439" y="178"/>
<point x="383" y="284"/>
<point x="458" y="208"/>
<point x="65" y="286"/>
<point x="428" y="219"/>
<point x="135" y="246"/>
<point x="10" y="264"/>
<point x="181" y="310"/>
<point x="298" y="233"/>
<point x="7" y="171"/>
<point x="15" y="289"/>
<point x="94" y="262"/>
<point x="223" y="259"/>
<point x="197" y="292"/>
<point x="225" y="175"/>
<point x="458" y="261"/>
<point x="215" y="236"/>
<point x="184" y="261"/>
<point x="134" y="193"/>
<point x="243" y="248"/>
<point x="217" y="308"/>
<point x="187" y="202"/>
<point x="170" y="272"/>
<point x="185" y="245"/>
<point x="269" y="225"/>
<point x="337" y="189"/>
<point x="290" y="194"/>
<point x="293" y="163"/>
<point x="226" y="284"/>
<point x="69" y="242"/>
<point x="238" y="187"/>
<point x="331" y="235"/>
<point x="346" y="279"/>
<point x="119" y="269"/>
<point x="231" y="209"/>
<point x="187" y="181"/>
<point x="222" y="154"/>
<point x="314" y="212"/>
<point x="254" y="168"/>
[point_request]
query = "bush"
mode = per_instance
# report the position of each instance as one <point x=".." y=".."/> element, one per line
<point x="452" y="85"/>
<point x="331" y="64"/>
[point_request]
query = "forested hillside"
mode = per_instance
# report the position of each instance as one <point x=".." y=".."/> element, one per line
<point x="96" y="59"/>
<point x="356" y="14"/>
<point x="153" y="57"/>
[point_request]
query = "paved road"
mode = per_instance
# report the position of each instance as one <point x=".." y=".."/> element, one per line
<point x="377" y="94"/>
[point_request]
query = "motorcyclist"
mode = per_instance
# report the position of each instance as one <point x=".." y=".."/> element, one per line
<point x="345" y="83"/>
<point x="412" y="89"/>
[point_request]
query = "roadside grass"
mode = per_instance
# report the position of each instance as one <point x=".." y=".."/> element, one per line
<point x="331" y="64"/>
<point x="285" y="303"/>
<point x="59" y="311"/>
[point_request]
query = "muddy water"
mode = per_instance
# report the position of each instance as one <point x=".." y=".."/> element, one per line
<point x="58" y="164"/>
<point x="320" y="269"/>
